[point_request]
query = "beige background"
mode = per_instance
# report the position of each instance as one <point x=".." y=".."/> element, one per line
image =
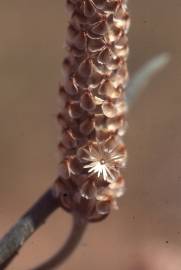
<point x="145" y="234"/>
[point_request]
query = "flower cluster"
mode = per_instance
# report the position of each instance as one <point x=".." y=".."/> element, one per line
<point x="93" y="107"/>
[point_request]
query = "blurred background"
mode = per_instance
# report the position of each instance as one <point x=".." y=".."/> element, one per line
<point x="145" y="234"/>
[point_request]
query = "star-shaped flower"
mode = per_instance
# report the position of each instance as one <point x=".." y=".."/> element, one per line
<point x="105" y="162"/>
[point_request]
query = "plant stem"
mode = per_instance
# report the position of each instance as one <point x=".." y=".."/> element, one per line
<point x="78" y="229"/>
<point x="11" y="243"/>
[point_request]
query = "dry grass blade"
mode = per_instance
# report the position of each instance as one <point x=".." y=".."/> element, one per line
<point x="143" y="76"/>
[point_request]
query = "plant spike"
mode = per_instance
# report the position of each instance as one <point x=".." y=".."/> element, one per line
<point x="93" y="107"/>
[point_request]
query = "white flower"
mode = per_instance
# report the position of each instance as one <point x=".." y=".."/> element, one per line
<point x="105" y="162"/>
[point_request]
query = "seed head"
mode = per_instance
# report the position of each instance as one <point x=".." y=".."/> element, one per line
<point x="93" y="107"/>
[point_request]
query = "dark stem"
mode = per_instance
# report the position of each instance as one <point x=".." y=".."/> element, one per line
<point x="11" y="243"/>
<point x="78" y="228"/>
